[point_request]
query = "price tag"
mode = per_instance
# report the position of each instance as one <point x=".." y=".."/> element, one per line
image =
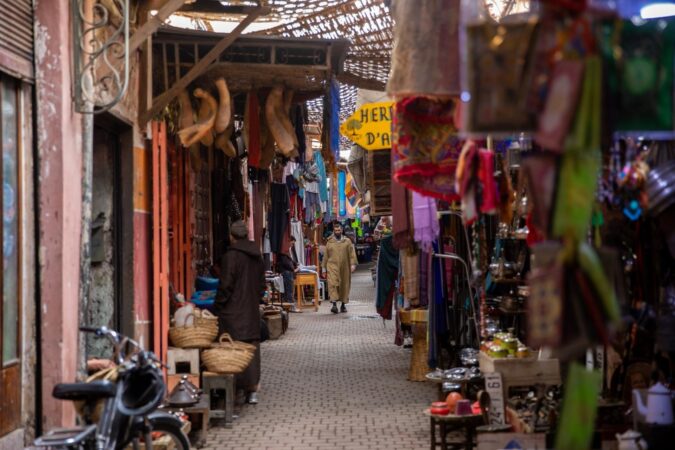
<point x="495" y="387"/>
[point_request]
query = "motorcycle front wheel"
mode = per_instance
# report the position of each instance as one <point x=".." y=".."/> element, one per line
<point x="164" y="434"/>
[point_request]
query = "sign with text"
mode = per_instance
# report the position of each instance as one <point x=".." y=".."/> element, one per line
<point x="495" y="387"/>
<point x="370" y="126"/>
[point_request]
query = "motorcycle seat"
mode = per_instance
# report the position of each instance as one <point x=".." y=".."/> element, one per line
<point x="84" y="391"/>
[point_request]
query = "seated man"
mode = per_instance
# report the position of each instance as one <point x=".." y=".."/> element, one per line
<point x="288" y="266"/>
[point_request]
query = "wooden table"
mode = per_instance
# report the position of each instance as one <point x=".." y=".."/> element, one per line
<point x="450" y="423"/>
<point x="302" y="280"/>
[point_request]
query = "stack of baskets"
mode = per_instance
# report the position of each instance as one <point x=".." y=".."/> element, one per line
<point x="200" y="334"/>
<point x="228" y="356"/>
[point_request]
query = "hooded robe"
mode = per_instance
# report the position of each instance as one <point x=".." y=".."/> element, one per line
<point x="338" y="259"/>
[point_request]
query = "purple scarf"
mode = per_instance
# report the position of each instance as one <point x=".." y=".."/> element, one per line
<point x="425" y="220"/>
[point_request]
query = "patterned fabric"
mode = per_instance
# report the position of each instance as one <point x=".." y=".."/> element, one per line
<point x="426" y="146"/>
<point x="335" y="119"/>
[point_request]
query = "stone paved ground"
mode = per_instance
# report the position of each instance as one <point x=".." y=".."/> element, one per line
<point x="333" y="382"/>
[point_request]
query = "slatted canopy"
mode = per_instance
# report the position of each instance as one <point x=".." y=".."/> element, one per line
<point x="366" y="24"/>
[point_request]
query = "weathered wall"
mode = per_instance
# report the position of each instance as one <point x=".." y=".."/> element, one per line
<point x="28" y="272"/>
<point x="59" y="193"/>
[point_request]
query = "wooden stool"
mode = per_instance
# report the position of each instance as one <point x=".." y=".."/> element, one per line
<point x="182" y="355"/>
<point x="450" y="423"/>
<point x="420" y="350"/>
<point x="306" y="279"/>
<point x="212" y="381"/>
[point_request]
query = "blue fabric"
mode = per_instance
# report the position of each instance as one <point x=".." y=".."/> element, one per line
<point x="335" y="118"/>
<point x="323" y="179"/>
<point x="387" y="273"/>
<point x="342" y="201"/>
<point x="438" y="320"/>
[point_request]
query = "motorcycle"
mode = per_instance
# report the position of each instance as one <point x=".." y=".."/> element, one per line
<point x="118" y="405"/>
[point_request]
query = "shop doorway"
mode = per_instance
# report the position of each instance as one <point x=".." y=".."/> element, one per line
<point x="110" y="302"/>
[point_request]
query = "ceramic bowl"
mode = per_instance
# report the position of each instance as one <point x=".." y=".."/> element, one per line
<point x="439" y="408"/>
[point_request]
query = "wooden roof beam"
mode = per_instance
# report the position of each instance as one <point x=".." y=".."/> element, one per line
<point x="159" y="103"/>
<point x="153" y="23"/>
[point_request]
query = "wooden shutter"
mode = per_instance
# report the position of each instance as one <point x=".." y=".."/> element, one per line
<point x="379" y="182"/>
<point x="16" y="37"/>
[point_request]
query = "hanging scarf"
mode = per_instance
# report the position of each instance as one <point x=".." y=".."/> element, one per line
<point x="253" y="116"/>
<point x="387" y="272"/>
<point x="425" y="220"/>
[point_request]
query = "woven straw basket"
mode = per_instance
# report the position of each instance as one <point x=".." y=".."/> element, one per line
<point x="200" y="334"/>
<point x="228" y="356"/>
<point x="93" y="411"/>
<point x="203" y="318"/>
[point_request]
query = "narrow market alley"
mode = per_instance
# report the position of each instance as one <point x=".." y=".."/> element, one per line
<point x="333" y="382"/>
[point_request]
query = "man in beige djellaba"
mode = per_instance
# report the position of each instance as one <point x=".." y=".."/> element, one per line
<point x="338" y="263"/>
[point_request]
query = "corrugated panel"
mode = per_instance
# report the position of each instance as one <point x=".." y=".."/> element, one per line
<point x="16" y="27"/>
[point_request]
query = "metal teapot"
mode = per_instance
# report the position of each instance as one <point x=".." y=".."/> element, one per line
<point x="631" y="440"/>
<point x="659" y="407"/>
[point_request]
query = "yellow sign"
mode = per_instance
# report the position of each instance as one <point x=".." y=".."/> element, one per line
<point x="370" y="126"/>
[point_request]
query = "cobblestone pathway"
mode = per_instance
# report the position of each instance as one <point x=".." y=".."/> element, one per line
<point x="333" y="382"/>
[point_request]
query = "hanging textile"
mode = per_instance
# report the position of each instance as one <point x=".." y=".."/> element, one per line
<point x="323" y="178"/>
<point x="489" y="203"/>
<point x="410" y="264"/>
<point x="252" y="127"/>
<point x="425" y="147"/>
<point x="238" y="192"/>
<point x="387" y="272"/>
<point x="334" y="119"/>
<point x="341" y="192"/>
<point x="259" y="200"/>
<point x="425" y="59"/>
<point x="296" y="232"/>
<point x="577" y="179"/>
<point x="425" y="220"/>
<point x="299" y="125"/>
<point x="357" y="167"/>
<point x="279" y="216"/>
<point x="465" y="182"/>
<point x="267" y="251"/>
<point x="251" y="219"/>
<point x="438" y="312"/>
<point x="313" y="207"/>
<point x="424" y="273"/>
<point x="400" y="211"/>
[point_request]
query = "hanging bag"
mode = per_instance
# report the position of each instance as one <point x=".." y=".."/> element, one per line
<point x="577" y="180"/>
<point x="500" y="69"/>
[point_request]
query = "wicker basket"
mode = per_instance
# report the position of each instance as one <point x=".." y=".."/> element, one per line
<point x="92" y="411"/>
<point x="193" y="336"/>
<point x="204" y="319"/>
<point x="228" y="356"/>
